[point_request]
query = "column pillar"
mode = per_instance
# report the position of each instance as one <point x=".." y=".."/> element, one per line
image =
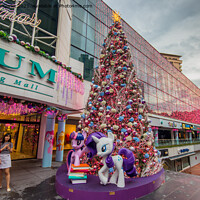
<point x="172" y="136"/>
<point x="42" y="136"/>
<point x="60" y="139"/>
<point x="190" y="136"/>
<point x="176" y="135"/>
<point x="155" y="131"/>
<point x="48" y="144"/>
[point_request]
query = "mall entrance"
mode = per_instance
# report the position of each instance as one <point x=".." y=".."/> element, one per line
<point x="24" y="135"/>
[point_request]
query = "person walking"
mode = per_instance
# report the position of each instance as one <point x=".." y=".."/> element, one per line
<point x="6" y="148"/>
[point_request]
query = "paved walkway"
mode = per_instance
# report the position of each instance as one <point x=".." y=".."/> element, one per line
<point x="195" y="170"/>
<point x="29" y="181"/>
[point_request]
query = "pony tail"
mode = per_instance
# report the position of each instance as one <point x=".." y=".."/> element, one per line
<point x="128" y="164"/>
<point x="109" y="161"/>
<point x="68" y="160"/>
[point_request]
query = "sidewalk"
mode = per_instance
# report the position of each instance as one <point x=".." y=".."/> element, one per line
<point x="29" y="181"/>
<point x="195" y="170"/>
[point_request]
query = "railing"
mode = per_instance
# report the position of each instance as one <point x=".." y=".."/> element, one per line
<point x="33" y="38"/>
<point x="34" y="30"/>
<point x="173" y="142"/>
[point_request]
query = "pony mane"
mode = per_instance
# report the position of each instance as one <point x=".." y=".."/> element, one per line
<point x="76" y="136"/>
<point x="91" y="144"/>
<point x="109" y="160"/>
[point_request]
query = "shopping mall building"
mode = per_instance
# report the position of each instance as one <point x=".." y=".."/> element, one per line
<point x="74" y="31"/>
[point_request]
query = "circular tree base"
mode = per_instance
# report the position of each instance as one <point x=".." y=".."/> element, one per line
<point x="134" y="187"/>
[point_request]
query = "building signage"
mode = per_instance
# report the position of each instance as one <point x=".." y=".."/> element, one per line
<point x="172" y="124"/>
<point x="35" y="67"/>
<point x="14" y="79"/>
<point x="164" y="152"/>
<point x="186" y="150"/>
<point x="186" y="126"/>
<point x="7" y="12"/>
<point x="26" y="75"/>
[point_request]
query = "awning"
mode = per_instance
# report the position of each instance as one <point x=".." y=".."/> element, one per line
<point x="181" y="156"/>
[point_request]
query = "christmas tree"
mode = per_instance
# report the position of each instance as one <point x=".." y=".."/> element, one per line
<point x="116" y="104"/>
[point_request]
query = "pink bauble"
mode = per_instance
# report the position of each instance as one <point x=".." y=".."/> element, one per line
<point x="129" y="130"/>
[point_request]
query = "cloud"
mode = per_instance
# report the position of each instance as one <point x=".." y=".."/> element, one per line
<point x="169" y="26"/>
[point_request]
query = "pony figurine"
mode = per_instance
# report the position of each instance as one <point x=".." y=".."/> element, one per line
<point x="60" y="141"/>
<point x="74" y="155"/>
<point x="49" y="136"/>
<point x="98" y="143"/>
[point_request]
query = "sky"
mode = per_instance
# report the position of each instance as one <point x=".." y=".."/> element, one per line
<point x="170" y="26"/>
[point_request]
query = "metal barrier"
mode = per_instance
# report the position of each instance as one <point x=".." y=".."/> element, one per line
<point x="174" y="142"/>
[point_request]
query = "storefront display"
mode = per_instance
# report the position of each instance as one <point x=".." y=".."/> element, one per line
<point x="24" y="134"/>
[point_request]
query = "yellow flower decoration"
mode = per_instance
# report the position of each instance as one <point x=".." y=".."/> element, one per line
<point x="116" y="17"/>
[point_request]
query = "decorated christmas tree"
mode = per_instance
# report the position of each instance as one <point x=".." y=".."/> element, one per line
<point x="116" y="104"/>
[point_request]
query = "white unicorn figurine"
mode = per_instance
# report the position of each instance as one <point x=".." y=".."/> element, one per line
<point x="104" y="148"/>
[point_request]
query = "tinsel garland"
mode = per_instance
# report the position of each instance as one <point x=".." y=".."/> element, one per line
<point x="36" y="49"/>
<point x="116" y="105"/>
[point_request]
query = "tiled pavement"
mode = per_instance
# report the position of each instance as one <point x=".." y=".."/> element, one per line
<point x="29" y="181"/>
<point x="193" y="170"/>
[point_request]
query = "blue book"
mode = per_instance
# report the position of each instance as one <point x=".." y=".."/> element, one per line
<point x="78" y="177"/>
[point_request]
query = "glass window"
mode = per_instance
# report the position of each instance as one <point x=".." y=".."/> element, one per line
<point x="88" y="66"/>
<point x="76" y="53"/>
<point x="78" y="26"/>
<point x="91" y="8"/>
<point x="90" y="47"/>
<point x="90" y="33"/>
<point x="33" y="118"/>
<point x="29" y="141"/>
<point x="27" y="7"/>
<point x="24" y="138"/>
<point x="91" y="21"/>
<point x="152" y="99"/>
<point x="48" y="15"/>
<point x="178" y="165"/>
<point x="87" y="60"/>
<point x="92" y="1"/>
<point x="38" y="118"/>
<point x="81" y="2"/>
<point x="97" y="50"/>
<point x="78" y="40"/>
<point x="80" y="13"/>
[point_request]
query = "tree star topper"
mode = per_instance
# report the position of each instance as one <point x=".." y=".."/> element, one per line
<point x="116" y="16"/>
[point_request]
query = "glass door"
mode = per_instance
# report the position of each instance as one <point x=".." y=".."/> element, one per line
<point x="30" y="140"/>
<point x="24" y="136"/>
<point x="12" y="128"/>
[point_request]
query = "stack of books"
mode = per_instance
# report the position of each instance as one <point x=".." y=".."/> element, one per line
<point x="78" y="173"/>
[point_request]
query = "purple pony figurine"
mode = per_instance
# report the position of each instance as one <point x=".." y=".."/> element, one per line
<point x="74" y="155"/>
<point x="98" y="143"/>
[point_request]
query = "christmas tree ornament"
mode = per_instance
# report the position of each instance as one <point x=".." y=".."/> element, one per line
<point x="116" y="101"/>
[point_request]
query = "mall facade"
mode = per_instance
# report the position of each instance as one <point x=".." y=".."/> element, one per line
<point x="38" y="89"/>
<point x="74" y="33"/>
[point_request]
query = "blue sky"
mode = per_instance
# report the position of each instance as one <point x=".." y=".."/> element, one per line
<point x="171" y="26"/>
